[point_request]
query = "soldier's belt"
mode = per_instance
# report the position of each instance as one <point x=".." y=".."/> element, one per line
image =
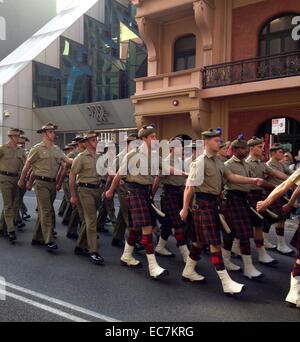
<point x="9" y="174"/>
<point x="236" y="193"/>
<point x="45" y="179"/>
<point x="88" y="185"/>
<point x="206" y="197"/>
<point x="168" y="187"/>
<point x="138" y="186"/>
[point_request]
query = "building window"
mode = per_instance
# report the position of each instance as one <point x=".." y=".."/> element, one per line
<point x="137" y="64"/>
<point x="46" y="86"/>
<point x="276" y="37"/>
<point x="185" y="53"/>
<point x="76" y="73"/>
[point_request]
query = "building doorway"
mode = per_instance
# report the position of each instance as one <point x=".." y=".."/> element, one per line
<point x="291" y="136"/>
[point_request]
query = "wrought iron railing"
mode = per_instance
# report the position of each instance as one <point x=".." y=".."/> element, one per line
<point x="252" y="70"/>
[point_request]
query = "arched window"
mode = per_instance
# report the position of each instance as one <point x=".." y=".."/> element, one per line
<point x="185" y="53"/>
<point x="276" y="36"/>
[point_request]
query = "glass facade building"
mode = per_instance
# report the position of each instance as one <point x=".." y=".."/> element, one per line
<point x="102" y="69"/>
<point x="46" y="86"/>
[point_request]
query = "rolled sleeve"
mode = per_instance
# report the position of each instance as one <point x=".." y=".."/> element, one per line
<point x="77" y="165"/>
<point x="33" y="156"/>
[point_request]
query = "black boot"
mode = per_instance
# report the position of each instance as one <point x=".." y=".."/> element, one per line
<point x="52" y="247"/>
<point x="12" y="237"/>
<point x="96" y="259"/>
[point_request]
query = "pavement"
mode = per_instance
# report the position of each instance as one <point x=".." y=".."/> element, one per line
<point x="64" y="287"/>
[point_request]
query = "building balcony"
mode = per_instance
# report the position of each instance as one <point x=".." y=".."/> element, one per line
<point x="158" y="8"/>
<point x="252" y="75"/>
<point x="161" y="85"/>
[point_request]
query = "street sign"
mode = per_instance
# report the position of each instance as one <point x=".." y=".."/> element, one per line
<point x="278" y="126"/>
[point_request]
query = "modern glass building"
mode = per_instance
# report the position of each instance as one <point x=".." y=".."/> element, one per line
<point x="78" y="71"/>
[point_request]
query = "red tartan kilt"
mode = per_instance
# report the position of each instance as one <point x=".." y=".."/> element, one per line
<point x="237" y="216"/>
<point x="206" y="221"/>
<point x="296" y="241"/>
<point x="254" y="197"/>
<point x="140" y="213"/>
<point x="171" y="204"/>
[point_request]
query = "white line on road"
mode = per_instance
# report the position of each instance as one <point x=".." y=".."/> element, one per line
<point x="44" y="307"/>
<point x="60" y="302"/>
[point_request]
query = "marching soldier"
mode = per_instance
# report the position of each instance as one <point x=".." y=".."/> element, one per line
<point x="142" y="218"/>
<point x="222" y="154"/>
<point x="275" y="163"/>
<point x="122" y="222"/>
<point x="20" y="208"/>
<point x="84" y="175"/>
<point x="259" y="169"/>
<point x="171" y="204"/>
<point x="107" y="207"/>
<point x="11" y="159"/>
<point x="75" y="218"/>
<point x="293" y="297"/>
<point x="45" y="160"/>
<point x="236" y="212"/>
<point x="63" y="180"/>
<point x="205" y="180"/>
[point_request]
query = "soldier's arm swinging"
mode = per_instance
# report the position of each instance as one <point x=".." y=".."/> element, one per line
<point x="68" y="161"/>
<point x="274" y="195"/>
<point x="279" y="175"/>
<point x="188" y="194"/>
<point x="62" y="176"/>
<point x="155" y="185"/>
<point x="72" y="181"/>
<point x="26" y="168"/>
<point x="115" y="183"/>
<point x="290" y="205"/>
<point x="237" y="179"/>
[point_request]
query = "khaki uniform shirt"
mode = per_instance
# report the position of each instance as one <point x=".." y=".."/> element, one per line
<point x="84" y="166"/>
<point x="275" y="165"/>
<point x="173" y="179"/>
<point x="258" y="170"/>
<point x="133" y="162"/>
<point x="241" y="168"/>
<point x="117" y="162"/>
<point x="45" y="162"/>
<point x="214" y="172"/>
<point x="12" y="159"/>
<point x="71" y="155"/>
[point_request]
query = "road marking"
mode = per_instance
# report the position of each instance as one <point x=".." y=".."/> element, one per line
<point x="60" y="303"/>
<point x="44" y="307"/>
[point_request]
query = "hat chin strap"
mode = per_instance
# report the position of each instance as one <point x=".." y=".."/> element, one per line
<point x="89" y="143"/>
<point x="12" y="137"/>
<point x="47" y="135"/>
